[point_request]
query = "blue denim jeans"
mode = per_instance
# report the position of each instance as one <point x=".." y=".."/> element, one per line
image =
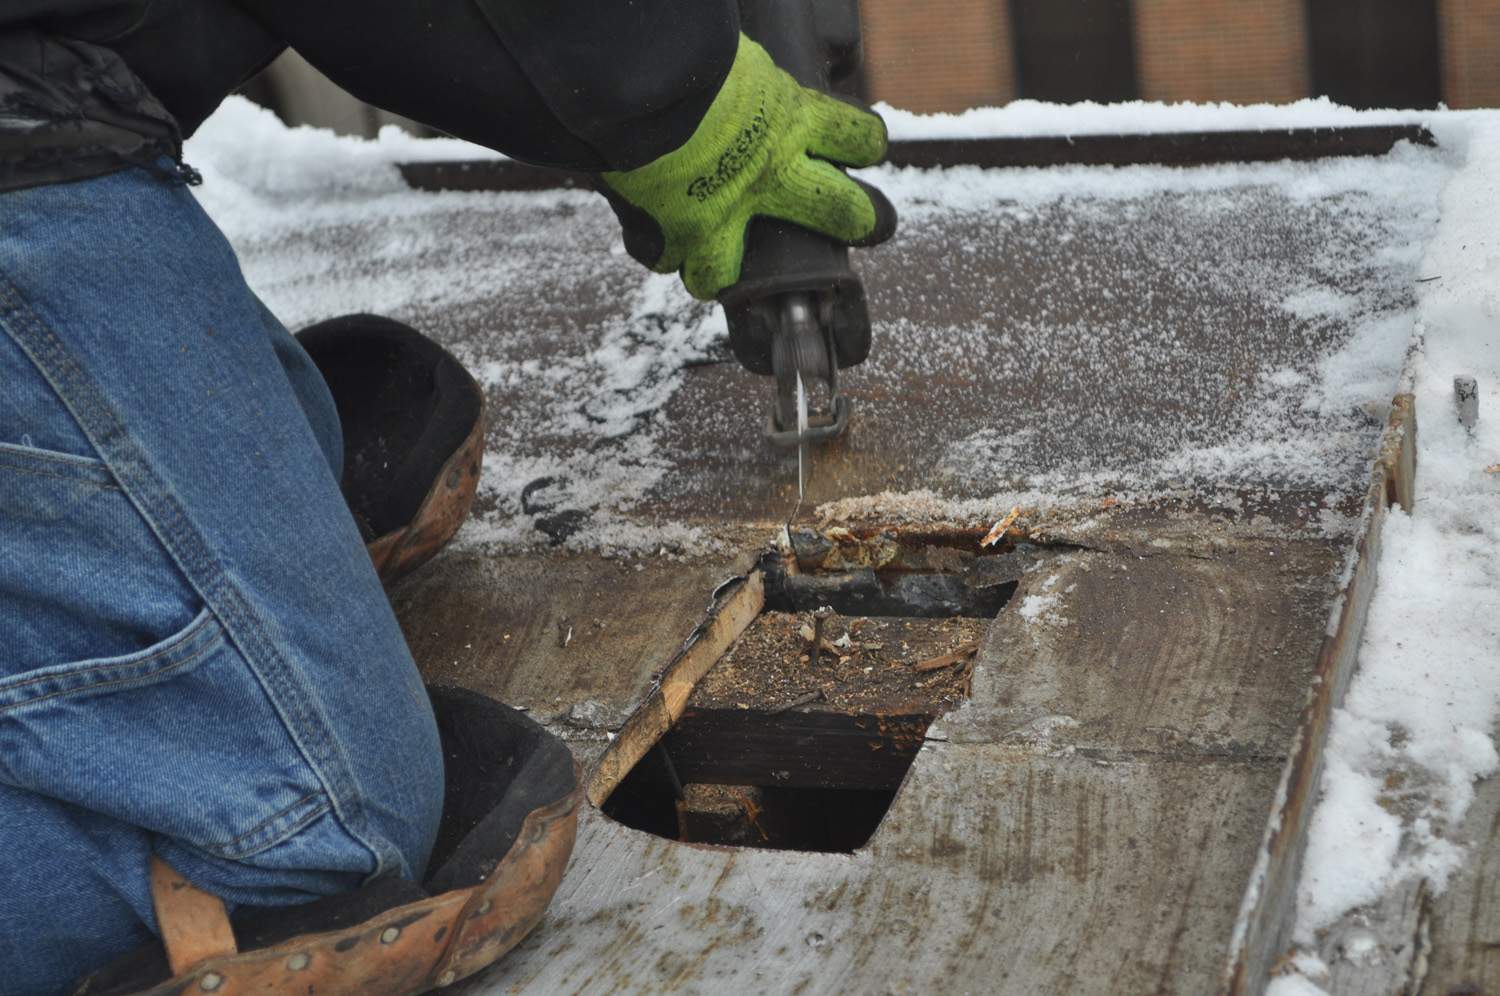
<point x="196" y="657"/>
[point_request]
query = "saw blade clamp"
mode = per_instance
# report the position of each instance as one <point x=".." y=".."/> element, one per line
<point x="802" y="354"/>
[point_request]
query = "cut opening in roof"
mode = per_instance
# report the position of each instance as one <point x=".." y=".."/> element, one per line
<point x="801" y="733"/>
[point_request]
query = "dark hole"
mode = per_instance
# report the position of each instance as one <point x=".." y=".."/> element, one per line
<point x="782" y="780"/>
<point x="979" y="591"/>
<point x="788" y="781"/>
<point x="865" y="593"/>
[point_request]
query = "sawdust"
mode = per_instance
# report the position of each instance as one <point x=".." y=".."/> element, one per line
<point x="874" y="671"/>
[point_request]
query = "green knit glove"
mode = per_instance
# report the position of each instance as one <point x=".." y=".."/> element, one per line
<point x="765" y="147"/>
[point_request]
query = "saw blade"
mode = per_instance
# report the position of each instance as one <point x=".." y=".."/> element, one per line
<point x="801" y="437"/>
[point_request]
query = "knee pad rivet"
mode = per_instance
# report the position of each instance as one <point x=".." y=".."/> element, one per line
<point x="298" y="962"/>
<point x="389" y="935"/>
<point x="211" y="982"/>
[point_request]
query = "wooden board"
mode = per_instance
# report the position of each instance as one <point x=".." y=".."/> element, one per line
<point x="499" y="626"/>
<point x="1079" y="828"/>
<point x="1465" y="922"/>
<point x="1138" y="654"/>
<point x="1073" y="338"/>
<point x="998" y="872"/>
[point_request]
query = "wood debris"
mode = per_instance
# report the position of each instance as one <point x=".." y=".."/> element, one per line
<point x="947" y="660"/>
<point x="800" y="700"/>
<point x="821" y="616"/>
<point x="751" y="811"/>
<point x="998" y="531"/>
<point x="821" y="644"/>
<point x="770" y="665"/>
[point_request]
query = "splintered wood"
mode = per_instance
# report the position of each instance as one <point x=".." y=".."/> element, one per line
<point x="726" y="621"/>
<point x="947" y="660"/>
<point x="997" y="534"/>
<point x="880" y="664"/>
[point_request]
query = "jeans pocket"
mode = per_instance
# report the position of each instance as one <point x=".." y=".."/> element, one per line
<point x="119" y="691"/>
<point x="81" y="573"/>
<point x="177" y="738"/>
<point x="179" y="652"/>
<point x="29" y="460"/>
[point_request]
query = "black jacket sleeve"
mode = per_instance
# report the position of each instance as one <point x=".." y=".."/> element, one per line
<point x="582" y="84"/>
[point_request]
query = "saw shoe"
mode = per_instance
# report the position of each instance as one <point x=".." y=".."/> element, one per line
<point x="413" y="429"/>
<point x="508" y="826"/>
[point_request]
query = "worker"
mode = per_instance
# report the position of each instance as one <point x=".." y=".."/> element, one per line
<point x="200" y="673"/>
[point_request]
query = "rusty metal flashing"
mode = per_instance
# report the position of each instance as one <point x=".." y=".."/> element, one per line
<point x="1201" y="148"/>
<point x="1263" y="928"/>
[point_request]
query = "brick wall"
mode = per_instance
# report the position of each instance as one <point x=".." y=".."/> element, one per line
<point x="1245" y="51"/>
<point x="1469" y="46"/>
<point x="953" y="54"/>
<point x="942" y="56"/>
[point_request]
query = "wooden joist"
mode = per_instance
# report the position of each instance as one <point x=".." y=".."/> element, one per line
<point x="812" y="749"/>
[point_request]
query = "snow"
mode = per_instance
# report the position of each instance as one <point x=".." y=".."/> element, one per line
<point x="1417" y="727"/>
<point x="1294" y="985"/>
<point x="1034" y="607"/>
<point x="1030" y="117"/>
<point x="1331" y="249"/>
<point x="293" y="200"/>
<point x="325" y="225"/>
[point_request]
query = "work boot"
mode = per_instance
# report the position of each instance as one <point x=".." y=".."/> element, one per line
<point x="509" y="820"/>
<point x="413" y="427"/>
